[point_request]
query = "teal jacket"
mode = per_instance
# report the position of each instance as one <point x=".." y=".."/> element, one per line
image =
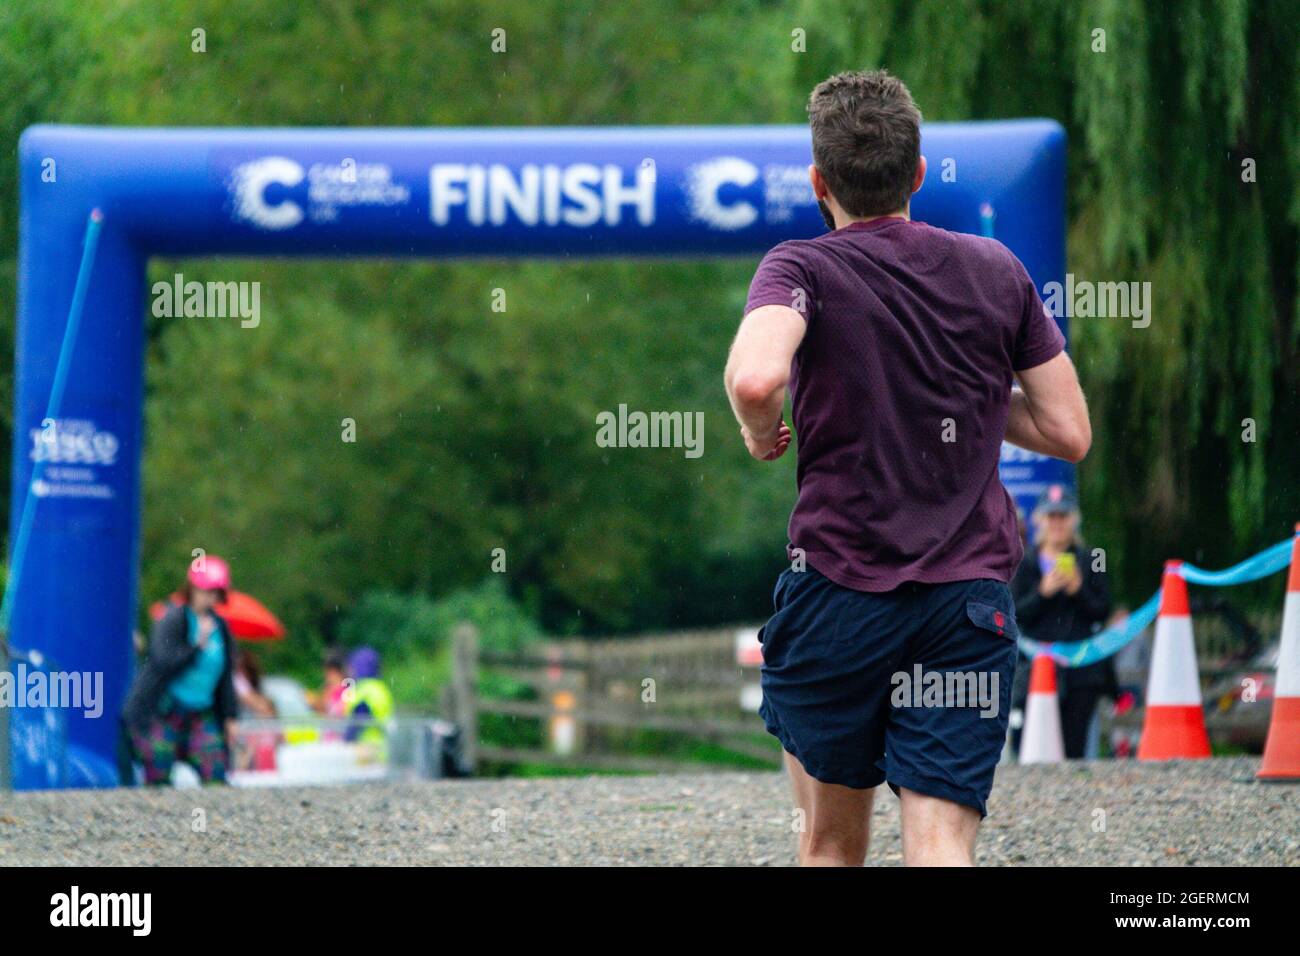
<point x="170" y="653"/>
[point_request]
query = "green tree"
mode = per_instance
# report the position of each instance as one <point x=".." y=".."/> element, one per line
<point x="475" y="428"/>
<point x="1161" y="123"/>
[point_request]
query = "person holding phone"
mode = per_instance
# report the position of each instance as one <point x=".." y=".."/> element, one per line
<point x="1059" y="597"/>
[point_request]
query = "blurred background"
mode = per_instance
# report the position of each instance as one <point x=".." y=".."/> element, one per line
<point x="486" y="419"/>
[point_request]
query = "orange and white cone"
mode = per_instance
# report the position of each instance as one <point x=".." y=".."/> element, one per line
<point x="1041" y="740"/>
<point x="1282" y="751"/>
<point x="1174" y="727"/>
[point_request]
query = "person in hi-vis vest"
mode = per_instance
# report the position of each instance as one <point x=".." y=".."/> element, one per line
<point x="368" y="700"/>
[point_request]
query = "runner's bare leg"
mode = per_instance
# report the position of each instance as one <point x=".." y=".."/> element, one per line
<point x="937" y="832"/>
<point x="836" y="819"/>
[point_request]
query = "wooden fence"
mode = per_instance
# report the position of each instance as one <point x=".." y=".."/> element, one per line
<point x="597" y="700"/>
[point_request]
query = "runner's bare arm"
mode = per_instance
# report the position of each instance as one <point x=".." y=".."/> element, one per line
<point x="1049" y="414"/>
<point x="758" y="369"/>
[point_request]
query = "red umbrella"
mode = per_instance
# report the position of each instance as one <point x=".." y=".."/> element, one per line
<point x="247" y="617"/>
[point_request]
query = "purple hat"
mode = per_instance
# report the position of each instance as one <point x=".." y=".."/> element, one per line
<point x="364" y="663"/>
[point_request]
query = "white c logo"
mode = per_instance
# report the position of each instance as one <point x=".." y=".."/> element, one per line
<point x="703" y="181"/>
<point x="249" y="182"/>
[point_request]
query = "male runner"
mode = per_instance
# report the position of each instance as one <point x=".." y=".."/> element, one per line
<point x="899" y="343"/>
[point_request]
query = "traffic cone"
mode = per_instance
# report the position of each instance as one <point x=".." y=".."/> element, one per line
<point x="1282" y="751"/>
<point x="1041" y="740"/>
<point x="1174" y="727"/>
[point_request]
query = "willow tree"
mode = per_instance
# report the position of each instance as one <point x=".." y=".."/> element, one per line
<point x="1184" y="136"/>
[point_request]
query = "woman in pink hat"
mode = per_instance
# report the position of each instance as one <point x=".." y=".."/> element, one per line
<point x="182" y="704"/>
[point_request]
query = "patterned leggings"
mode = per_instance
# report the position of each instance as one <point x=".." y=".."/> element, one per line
<point x="194" y="737"/>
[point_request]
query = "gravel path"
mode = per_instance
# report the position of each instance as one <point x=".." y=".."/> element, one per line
<point x="1190" y="813"/>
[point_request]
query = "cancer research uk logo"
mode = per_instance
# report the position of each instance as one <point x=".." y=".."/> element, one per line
<point x="705" y="180"/>
<point x="262" y="190"/>
<point x="249" y="183"/>
<point x="716" y="192"/>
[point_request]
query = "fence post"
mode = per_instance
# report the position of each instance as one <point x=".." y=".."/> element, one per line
<point x="465" y="688"/>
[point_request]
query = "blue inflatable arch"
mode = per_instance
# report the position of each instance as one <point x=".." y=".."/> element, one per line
<point x="673" y="191"/>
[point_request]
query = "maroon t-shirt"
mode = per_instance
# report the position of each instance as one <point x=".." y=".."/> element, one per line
<point x="900" y="394"/>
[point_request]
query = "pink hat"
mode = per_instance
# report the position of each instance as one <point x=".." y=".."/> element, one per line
<point x="214" y="576"/>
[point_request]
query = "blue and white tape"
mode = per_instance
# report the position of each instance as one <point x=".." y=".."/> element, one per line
<point x="1114" y="638"/>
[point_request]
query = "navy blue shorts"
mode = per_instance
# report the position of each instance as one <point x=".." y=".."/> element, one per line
<point x="910" y="686"/>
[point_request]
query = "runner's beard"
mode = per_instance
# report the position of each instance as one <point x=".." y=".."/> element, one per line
<point x="826" y="214"/>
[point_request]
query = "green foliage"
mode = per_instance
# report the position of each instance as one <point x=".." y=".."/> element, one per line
<point x="413" y="633"/>
<point x="399" y="624"/>
<point x="418" y="680"/>
<point x="474" y="429"/>
<point x="394" y="624"/>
